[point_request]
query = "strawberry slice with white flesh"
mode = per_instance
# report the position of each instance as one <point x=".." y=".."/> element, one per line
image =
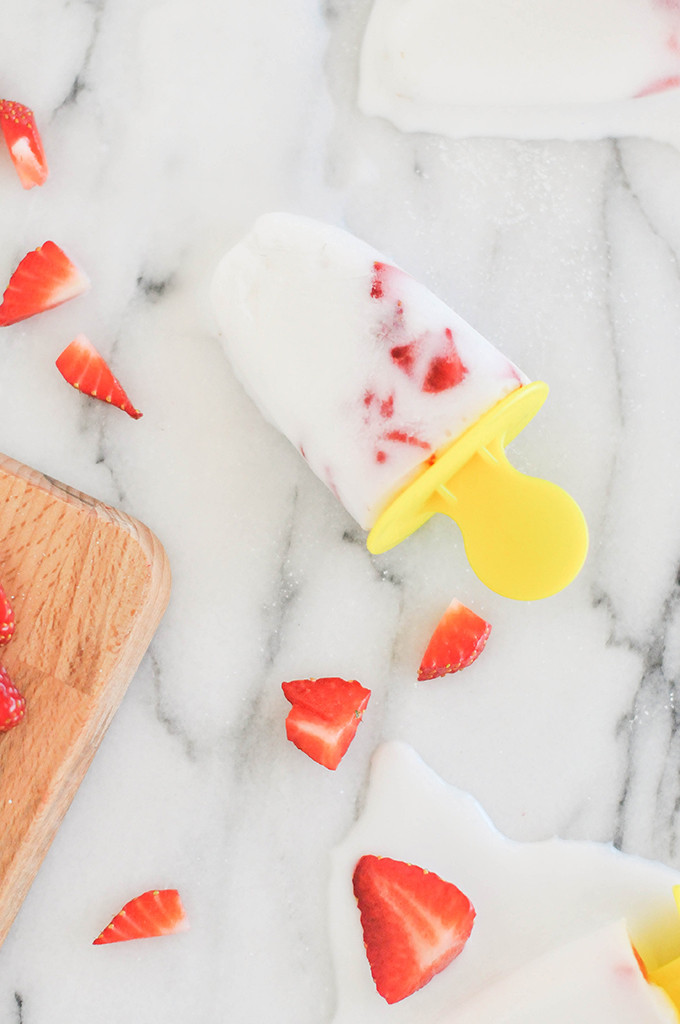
<point x="457" y="641"/>
<point x="414" y="923"/>
<point x="44" y="279"/>
<point x="157" y="912"/>
<point x="85" y="369"/>
<point x="325" y="716"/>
<point x="24" y="143"/>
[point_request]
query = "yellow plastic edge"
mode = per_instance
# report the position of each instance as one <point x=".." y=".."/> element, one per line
<point x="409" y="510"/>
<point x="667" y="977"/>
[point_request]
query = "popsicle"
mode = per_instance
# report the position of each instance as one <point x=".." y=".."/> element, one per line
<point x="556" y="920"/>
<point x="595" y="979"/>
<point x="524" y="68"/>
<point x="397" y="404"/>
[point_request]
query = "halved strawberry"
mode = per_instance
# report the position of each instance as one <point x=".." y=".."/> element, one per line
<point x="325" y="716"/>
<point x="82" y="366"/>
<point x="6" y="618"/>
<point x="44" y="279"/>
<point x="12" y="704"/>
<point x="157" y="912"/>
<point x="414" y="923"/>
<point x="457" y="641"/>
<point x="24" y="143"/>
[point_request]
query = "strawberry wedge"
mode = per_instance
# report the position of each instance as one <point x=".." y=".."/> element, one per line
<point x="457" y="641"/>
<point x="414" y="923"/>
<point x="86" y="370"/>
<point x="12" y="704"/>
<point x="24" y="143"/>
<point x="44" y="279"/>
<point x="325" y="716"/>
<point x="7" y="622"/>
<point x="157" y="912"/>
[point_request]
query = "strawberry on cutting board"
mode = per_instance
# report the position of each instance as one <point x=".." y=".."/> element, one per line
<point x="325" y="716"/>
<point x="457" y="641"/>
<point x="157" y="912"/>
<point x="414" y="923"/>
<point x="86" y="370"/>
<point x="12" y="704"/>
<point x="7" y="622"/>
<point x="44" y="279"/>
<point x="24" y="143"/>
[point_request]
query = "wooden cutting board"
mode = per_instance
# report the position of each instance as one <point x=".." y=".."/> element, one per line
<point x="89" y="586"/>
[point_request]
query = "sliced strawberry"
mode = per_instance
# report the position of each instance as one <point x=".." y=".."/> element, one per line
<point x="24" y="143"/>
<point x="82" y="366"/>
<point x="12" y="704"/>
<point x="157" y="912"/>
<point x="44" y="279"/>
<point x="6" y="619"/>
<point x="325" y="716"/>
<point x="414" y="923"/>
<point x="457" y="641"/>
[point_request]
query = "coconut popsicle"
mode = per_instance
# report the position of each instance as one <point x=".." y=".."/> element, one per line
<point x="556" y="920"/>
<point x="365" y="371"/>
<point x="524" y="68"/>
<point x="594" y="979"/>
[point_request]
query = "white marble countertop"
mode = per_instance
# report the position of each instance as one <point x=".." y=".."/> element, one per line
<point x="169" y="125"/>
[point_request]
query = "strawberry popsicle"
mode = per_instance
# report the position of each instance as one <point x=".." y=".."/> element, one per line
<point x="367" y="373"/>
<point x="363" y="369"/>
<point x="564" y="931"/>
<point x="595" y="979"/>
<point x="524" y="68"/>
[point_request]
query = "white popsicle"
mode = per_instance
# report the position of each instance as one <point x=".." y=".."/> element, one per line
<point x="548" y="931"/>
<point x="524" y="68"/>
<point x="591" y="980"/>
<point x="364" y="370"/>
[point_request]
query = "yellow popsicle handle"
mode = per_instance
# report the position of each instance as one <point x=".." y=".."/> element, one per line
<point x="668" y="976"/>
<point x="525" y="538"/>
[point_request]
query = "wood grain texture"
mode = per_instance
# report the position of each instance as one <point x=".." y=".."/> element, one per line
<point x="89" y="586"/>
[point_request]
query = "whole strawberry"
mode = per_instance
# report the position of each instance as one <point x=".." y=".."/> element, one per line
<point x="6" y="619"/>
<point x="12" y="704"/>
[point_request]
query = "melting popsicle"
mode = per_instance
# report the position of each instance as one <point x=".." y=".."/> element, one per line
<point x="595" y="979"/>
<point x="564" y="930"/>
<point x="396" y="403"/>
<point x="524" y="68"/>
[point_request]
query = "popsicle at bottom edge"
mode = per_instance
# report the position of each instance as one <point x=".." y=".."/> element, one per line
<point x="596" y="979"/>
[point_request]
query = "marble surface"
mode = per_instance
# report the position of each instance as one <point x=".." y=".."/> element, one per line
<point x="169" y="126"/>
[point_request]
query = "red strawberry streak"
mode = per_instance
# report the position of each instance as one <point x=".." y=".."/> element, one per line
<point x="387" y="408"/>
<point x="445" y="369"/>
<point x="661" y="85"/>
<point x="403" y="438"/>
<point x="404" y="356"/>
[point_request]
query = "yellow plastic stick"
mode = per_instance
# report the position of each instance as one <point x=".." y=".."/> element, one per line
<point x="668" y="976"/>
<point x="525" y="538"/>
